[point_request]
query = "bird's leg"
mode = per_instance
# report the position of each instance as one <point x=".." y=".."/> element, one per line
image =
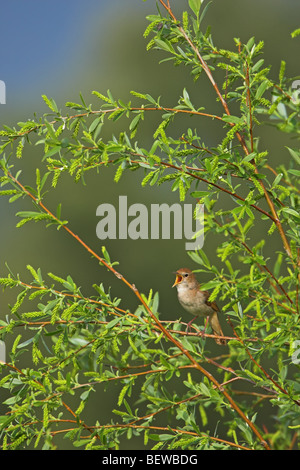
<point x="188" y="327"/>
<point x="202" y="333"/>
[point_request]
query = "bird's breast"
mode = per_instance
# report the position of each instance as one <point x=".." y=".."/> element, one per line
<point x="193" y="301"/>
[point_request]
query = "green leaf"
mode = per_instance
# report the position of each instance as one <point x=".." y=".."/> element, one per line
<point x="295" y="154"/>
<point x="50" y="103"/>
<point x="135" y="122"/>
<point x="295" y="33"/>
<point x="166" y="437"/>
<point x="95" y="124"/>
<point x="282" y="70"/>
<point x="204" y="389"/>
<point x="35" y="274"/>
<point x="52" y="151"/>
<point x="154" y="437"/>
<point x="262" y="88"/>
<point x="81" y="442"/>
<point x="195" y="5"/>
<point x="165" y="45"/>
<point x="51" y="131"/>
<point x="26" y="343"/>
<point x="203" y="259"/>
<point x="186" y="99"/>
<point x="110" y="96"/>
<point x="288" y="210"/>
<point x="257" y="65"/>
<point x="102" y="97"/>
<point x="113" y="323"/>
<point x="232" y="119"/>
<point x="33" y="215"/>
<point x="199" y="193"/>
<point x="155" y="303"/>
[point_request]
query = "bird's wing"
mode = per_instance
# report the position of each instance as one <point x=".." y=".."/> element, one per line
<point x="213" y="304"/>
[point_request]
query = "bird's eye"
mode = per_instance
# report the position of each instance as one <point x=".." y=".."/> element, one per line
<point x="186" y="275"/>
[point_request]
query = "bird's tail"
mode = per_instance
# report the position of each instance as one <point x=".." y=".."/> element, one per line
<point x="215" y="324"/>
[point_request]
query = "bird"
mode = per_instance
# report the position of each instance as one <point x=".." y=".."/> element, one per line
<point x="195" y="301"/>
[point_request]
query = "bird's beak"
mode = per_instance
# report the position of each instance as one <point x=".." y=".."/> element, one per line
<point x="177" y="280"/>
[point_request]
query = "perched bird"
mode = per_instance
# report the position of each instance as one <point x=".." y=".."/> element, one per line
<point x="195" y="301"/>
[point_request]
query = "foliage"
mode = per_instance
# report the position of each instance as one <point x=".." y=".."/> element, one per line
<point x="76" y="345"/>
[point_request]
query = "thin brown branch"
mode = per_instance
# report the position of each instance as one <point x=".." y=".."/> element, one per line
<point x="154" y="428"/>
<point x="204" y="180"/>
<point x="176" y="431"/>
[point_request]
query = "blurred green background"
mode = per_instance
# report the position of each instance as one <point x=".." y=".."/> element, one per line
<point x="63" y="48"/>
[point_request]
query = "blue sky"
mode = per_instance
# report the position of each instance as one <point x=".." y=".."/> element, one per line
<point x="45" y="45"/>
<point x="40" y="43"/>
<point x="37" y="32"/>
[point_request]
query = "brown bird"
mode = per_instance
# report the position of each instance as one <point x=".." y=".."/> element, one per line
<point x="195" y="301"/>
